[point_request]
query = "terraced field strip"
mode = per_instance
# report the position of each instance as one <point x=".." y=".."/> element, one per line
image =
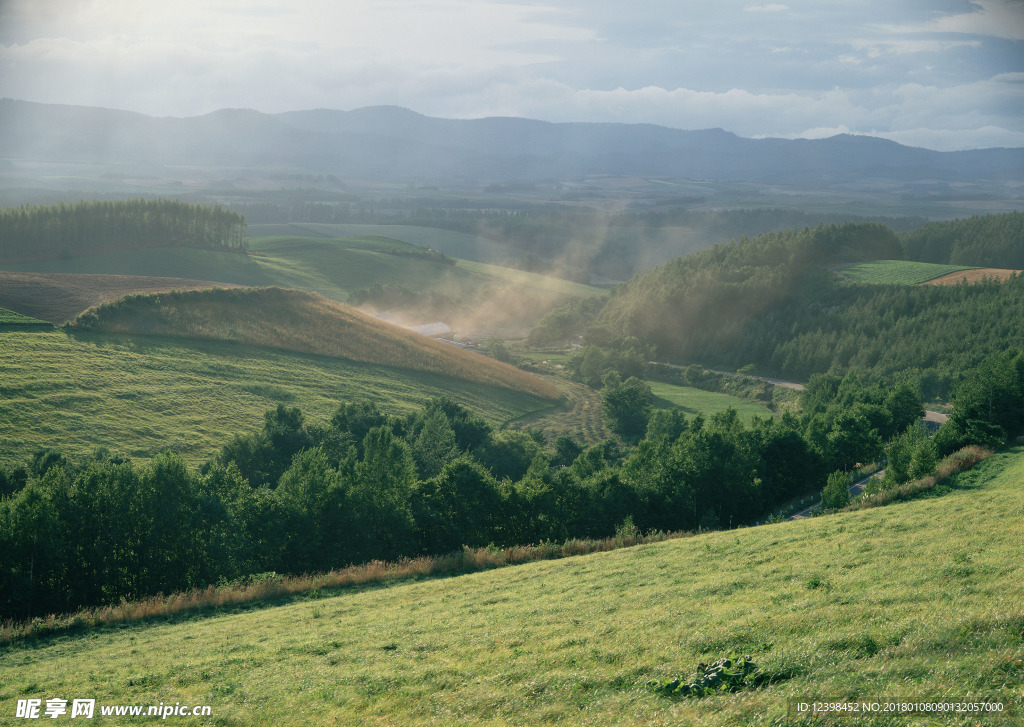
<point x="974" y="275"/>
<point x="898" y="272"/>
<point x="578" y="417"/>
<point x="59" y="297"/>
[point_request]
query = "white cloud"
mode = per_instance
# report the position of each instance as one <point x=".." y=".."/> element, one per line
<point x="778" y="70"/>
<point x="994" y="18"/>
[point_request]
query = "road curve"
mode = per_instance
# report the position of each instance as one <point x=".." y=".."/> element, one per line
<point x="855" y="489"/>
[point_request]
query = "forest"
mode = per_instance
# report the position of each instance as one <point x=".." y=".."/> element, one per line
<point x="772" y="303"/>
<point x="88" y="228"/>
<point x="297" y="496"/>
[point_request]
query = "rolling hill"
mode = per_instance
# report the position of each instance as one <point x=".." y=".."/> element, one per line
<point x="140" y="395"/>
<point x="59" y="297"/>
<point x="916" y="603"/>
<point x="474" y="295"/>
<point x="303" y="322"/>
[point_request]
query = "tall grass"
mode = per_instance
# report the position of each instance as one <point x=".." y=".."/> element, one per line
<point x="958" y="462"/>
<point x="271" y="586"/>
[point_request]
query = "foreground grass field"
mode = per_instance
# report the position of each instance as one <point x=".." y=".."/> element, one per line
<point x="918" y="602"/>
<point x="140" y="395"/>
<point x="898" y="272"/>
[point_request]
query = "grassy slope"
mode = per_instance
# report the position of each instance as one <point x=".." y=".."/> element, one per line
<point x="85" y="390"/>
<point x="694" y="401"/>
<point x="898" y="272"/>
<point x="293" y="320"/>
<point x="59" y="297"/>
<point x="914" y="602"/>
<point x="10" y="318"/>
<point x="334" y="268"/>
<point x="454" y="244"/>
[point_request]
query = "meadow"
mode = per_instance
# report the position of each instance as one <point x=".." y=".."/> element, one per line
<point x="140" y="395"/>
<point x="11" y="318"/>
<point x="294" y="320"/>
<point x="488" y="295"/>
<point x="898" y="272"/>
<point x="915" y="602"/>
<point x="694" y="401"/>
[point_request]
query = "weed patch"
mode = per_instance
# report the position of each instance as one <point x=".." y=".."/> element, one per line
<point x="729" y="674"/>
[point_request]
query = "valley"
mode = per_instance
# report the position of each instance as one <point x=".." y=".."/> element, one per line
<point x="376" y="418"/>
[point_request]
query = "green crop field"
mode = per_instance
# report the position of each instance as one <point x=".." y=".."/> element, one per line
<point x="139" y="395"/>
<point x="898" y="272"/>
<point x="10" y="318"/>
<point x="694" y="401"/>
<point x="913" y="603"/>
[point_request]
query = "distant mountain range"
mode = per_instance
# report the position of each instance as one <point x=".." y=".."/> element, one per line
<point x="389" y="143"/>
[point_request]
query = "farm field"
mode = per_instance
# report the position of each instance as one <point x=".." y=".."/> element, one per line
<point x="917" y="602"/>
<point x="294" y="320"/>
<point x="59" y="297"/>
<point x="454" y="244"/>
<point x="898" y="272"/>
<point x="694" y="401"/>
<point x="973" y="275"/>
<point x="11" y="318"/>
<point x="489" y="295"/>
<point x="80" y="391"/>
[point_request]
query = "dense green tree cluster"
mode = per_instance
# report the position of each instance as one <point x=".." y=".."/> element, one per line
<point x="772" y="302"/>
<point x="296" y="497"/>
<point x="986" y="241"/>
<point x="88" y="228"/>
<point x="988" y="406"/>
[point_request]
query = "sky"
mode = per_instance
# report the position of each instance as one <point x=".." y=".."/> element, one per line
<point x="941" y="74"/>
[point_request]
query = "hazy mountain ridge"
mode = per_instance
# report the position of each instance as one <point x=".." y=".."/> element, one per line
<point x="396" y="144"/>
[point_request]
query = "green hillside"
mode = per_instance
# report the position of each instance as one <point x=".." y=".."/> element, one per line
<point x="469" y="294"/>
<point x="463" y="245"/>
<point x="293" y="320"/>
<point x="774" y="302"/>
<point x="913" y="603"/>
<point x="139" y="395"/>
<point x="898" y="272"/>
<point x="10" y="319"/>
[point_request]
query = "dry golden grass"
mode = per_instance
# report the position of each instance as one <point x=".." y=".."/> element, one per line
<point x="308" y="323"/>
<point x="975" y="275"/>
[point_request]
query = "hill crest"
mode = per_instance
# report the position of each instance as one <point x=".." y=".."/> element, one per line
<point x="302" y="322"/>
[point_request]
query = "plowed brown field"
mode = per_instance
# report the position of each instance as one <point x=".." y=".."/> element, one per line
<point x="971" y="276"/>
<point x="59" y="297"/>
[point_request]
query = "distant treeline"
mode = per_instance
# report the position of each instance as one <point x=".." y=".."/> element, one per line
<point x="579" y="239"/>
<point x="771" y="302"/>
<point x="985" y="241"/>
<point x="295" y="497"/>
<point x="89" y="228"/>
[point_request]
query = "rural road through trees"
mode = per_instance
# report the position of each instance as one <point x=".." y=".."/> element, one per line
<point x="855" y="489"/>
